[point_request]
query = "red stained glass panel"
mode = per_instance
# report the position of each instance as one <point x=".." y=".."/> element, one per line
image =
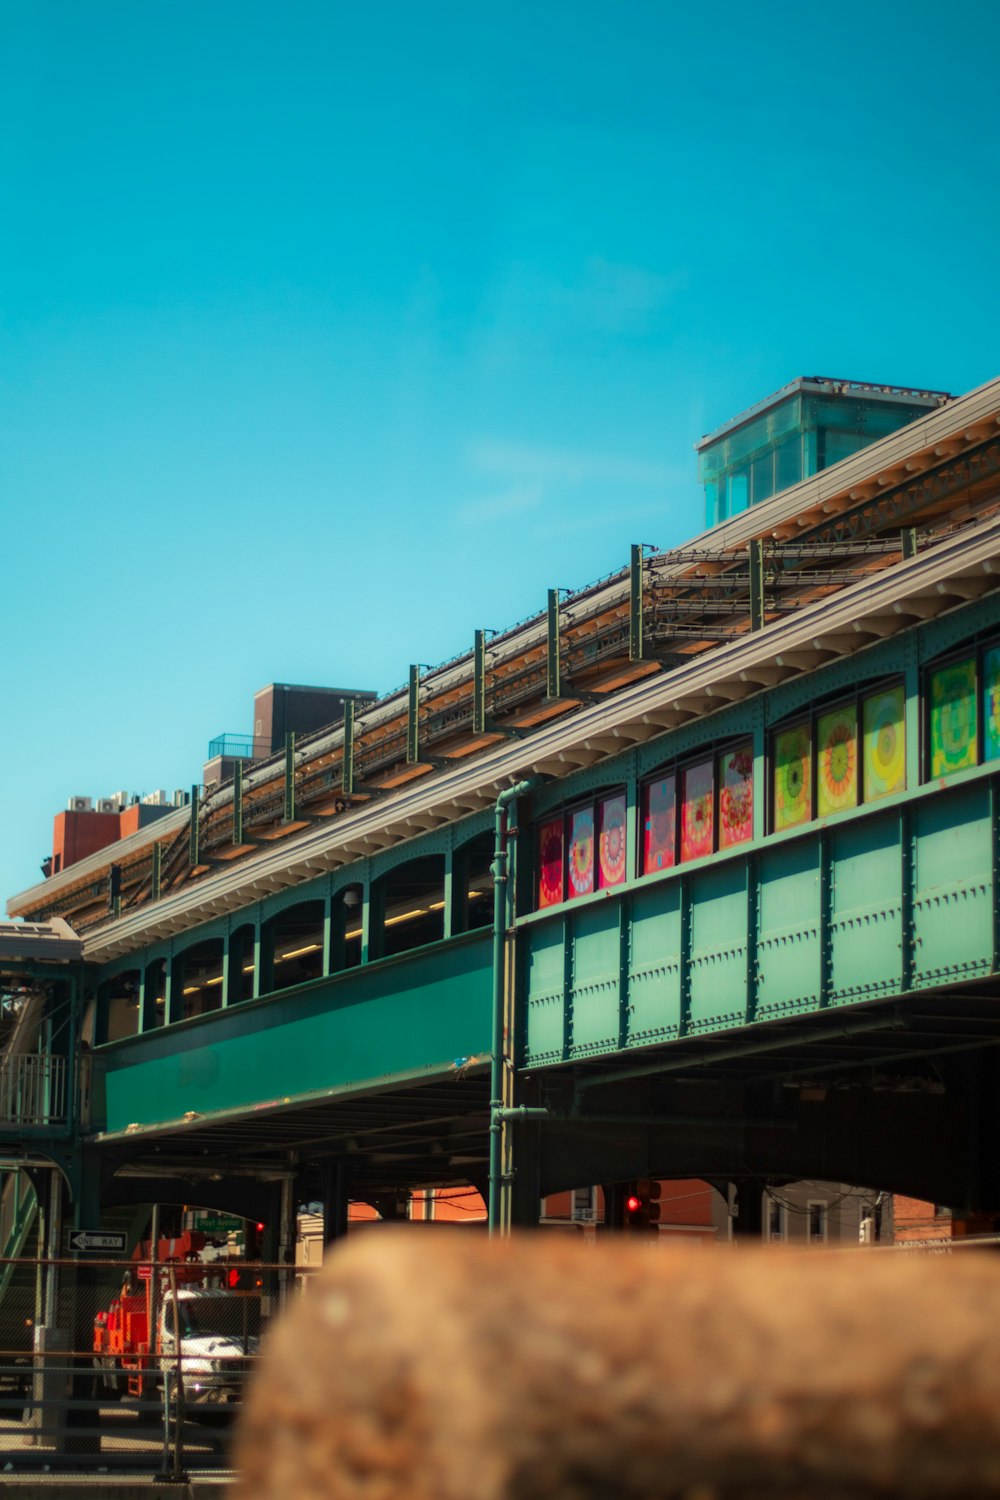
<point x="697" y="810"/>
<point x="659" y="825"/>
<point x="611" y="860"/>
<point x="580" y="863"/>
<point x="550" y="863"/>
<point x="736" y="796"/>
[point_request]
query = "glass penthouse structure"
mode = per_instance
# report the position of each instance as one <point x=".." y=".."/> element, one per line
<point x="808" y="425"/>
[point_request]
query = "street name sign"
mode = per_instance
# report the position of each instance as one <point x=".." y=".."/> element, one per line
<point x="111" y="1241"/>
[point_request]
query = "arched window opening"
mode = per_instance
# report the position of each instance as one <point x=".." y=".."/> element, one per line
<point x="297" y="944"/>
<point x="199" y="974"/>
<point x="347" y="911"/>
<point x="241" y="963"/>
<point x="413" y="905"/>
<point x="123" y="1005"/>
<point x="156" y="995"/>
<point x="474" y="883"/>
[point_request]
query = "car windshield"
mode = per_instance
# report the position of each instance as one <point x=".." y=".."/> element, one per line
<point x="227" y="1317"/>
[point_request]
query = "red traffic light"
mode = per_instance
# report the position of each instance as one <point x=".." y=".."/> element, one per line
<point x="642" y="1204"/>
<point x="260" y="1229"/>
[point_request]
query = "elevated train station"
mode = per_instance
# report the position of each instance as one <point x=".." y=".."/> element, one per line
<point x="692" y="874"/>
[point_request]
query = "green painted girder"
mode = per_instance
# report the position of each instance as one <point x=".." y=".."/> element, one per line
<point x="885" y="904"/>
<point x="406" y="1017"/>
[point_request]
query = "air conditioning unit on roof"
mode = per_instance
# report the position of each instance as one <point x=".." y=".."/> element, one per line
<point x="80" y="804"/>
<point x="107" y="804"/>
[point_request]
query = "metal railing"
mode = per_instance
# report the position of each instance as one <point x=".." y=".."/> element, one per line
<point x="128" y="1367"/>
<point x="32" y="1089"/>
<point x="239" y="746"/>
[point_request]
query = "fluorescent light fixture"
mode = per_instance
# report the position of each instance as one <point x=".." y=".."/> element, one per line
<point x="298" y="952"/>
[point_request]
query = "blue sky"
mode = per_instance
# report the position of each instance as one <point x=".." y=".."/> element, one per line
<point x="329" y="333"/>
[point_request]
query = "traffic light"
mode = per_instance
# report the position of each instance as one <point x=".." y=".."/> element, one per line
<point x="642" y="1204"/>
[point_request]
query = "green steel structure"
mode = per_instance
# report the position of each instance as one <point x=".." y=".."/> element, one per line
<point x="738" y="918"/>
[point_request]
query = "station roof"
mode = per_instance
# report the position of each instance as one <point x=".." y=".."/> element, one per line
<point x="39" y="942"/>
<point x="827" y="385"/>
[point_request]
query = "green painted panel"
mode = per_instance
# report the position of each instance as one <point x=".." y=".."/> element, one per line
<point x="654" y="981"/>
<point x="953" y="838"/>
<point x="867" y="910"/>
<point x="719" y="948"/>
<point x="953" y="899"/>
<point x="545" y="961"/>
<point x="788" y="946"/>
<point x="595" y="996"/>
<point x="395" y="1019"/>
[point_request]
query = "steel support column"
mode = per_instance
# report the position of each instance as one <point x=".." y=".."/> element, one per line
<point x="347" y="763"/>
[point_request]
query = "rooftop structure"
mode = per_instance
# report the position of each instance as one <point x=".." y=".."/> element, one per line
<point x="806" y="426"/>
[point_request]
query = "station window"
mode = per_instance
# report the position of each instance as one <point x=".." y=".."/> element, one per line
<point x="816" y="1222"/>
<point x="697" y="809"/>
<point x="842" y="754"/>
<point x="582" y="849"/>
<point x="963" y="711"/>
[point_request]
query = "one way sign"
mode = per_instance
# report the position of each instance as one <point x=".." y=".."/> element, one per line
<point x="112" y="1241"/>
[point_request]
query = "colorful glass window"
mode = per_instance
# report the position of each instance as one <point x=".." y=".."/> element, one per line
<point x="736" y="796"/>
<point x="580" y="854"/>
<point x="837" y="760"/>
<point x="659" y="825"/>
<point x="611" y="853"/>
<point x="697" y="810"/>
<point x="953" y="727"/>
<point x="991" y="704"/>
<point x="550" y="862"/>
<point x="885" y="743"/>
<point x="792" y="777"/>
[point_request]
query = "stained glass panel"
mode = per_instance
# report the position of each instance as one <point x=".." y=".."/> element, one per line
<point x="736" y="796"/>
<point x="837" y="760"/>
<point x="885" y="743"/>
<point x="991" y="704"/>
<point x="550" y="863"/>
<point x="659" y="825"/>
<point x="580" y="861"/>
<point x="954" y="741"/>
<point x="611" y="862"/>
<point x="792" y="777"/>
<point x="697" y="810"/>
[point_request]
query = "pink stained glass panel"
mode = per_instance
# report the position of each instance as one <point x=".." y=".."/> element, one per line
<point x="697" y="810"/>
<point x="659" y="825"/>
<point x="550" y="863"/>
<point x="580" y="860"/>
<point x="736" y="796"/>
<point x="611" y="853"/>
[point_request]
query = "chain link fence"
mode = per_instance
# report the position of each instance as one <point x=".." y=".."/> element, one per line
<point x="111" y="1366"/>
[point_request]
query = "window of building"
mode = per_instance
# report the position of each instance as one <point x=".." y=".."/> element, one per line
<point x="123" y="1005"/>
<point x="776" y="1214"/>
<point x="296" y="935"/>
<point x="412" y="905"/>
<point x="816" y="1221"/>
<point x="156" y="994"/>
<point x="582" y="849"/>
<point x="844" y="753"/>
<point x="583" y="1205"/>
<point x="474" y="883"/>
<point x="698" y="808"/>
<point x="198" y="971"/>
<point x="241" y="963"/>
<point x="963" y="711"/>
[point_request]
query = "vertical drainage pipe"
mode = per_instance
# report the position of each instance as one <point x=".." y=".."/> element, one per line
<point x="499" y="871"/>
